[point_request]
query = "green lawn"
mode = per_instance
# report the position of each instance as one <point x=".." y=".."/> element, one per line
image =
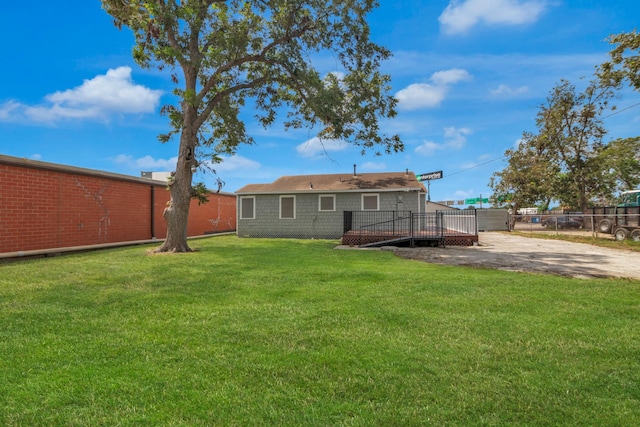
<point x="251" y="332"/>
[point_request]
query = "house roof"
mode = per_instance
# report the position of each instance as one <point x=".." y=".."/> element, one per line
<point x="363" y="182"/>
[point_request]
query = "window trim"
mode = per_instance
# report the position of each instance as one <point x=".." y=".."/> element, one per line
<point x="253" y="213"/>
<point x="376" y="195"/>
<point x="288" y="196"/>
<point x="332" y="196"/>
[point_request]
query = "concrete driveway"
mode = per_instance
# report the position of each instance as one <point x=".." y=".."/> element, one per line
<point x="506" y="251"/>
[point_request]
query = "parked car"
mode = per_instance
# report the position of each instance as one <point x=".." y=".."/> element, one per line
<point x="564" y="221"/>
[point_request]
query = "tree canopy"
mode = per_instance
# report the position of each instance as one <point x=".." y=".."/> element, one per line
<point x="625" y="61"/>
<point x="228" y="56"/>
<point x="529" y="178"/>
<point x="568" y="159"/>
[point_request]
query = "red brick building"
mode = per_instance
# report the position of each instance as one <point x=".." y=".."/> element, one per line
<point x="45" y="206"/>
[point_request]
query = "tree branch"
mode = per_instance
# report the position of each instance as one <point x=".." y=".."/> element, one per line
<point x="260" y="57"/>
<point x="213" y="102"/>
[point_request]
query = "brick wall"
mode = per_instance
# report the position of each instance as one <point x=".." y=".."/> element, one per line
<point x="44" y="206"/>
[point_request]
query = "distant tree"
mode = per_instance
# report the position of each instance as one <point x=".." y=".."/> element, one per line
<point x="562" y="161"/>
<point x="620" y="160"/>
<point x="528" y="179"/>
<point x="225" y="54"/>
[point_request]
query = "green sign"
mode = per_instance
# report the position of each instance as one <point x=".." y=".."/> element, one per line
<point x="475" y="201"/>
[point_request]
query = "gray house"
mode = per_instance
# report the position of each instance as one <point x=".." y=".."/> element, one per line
<point x="313" y="206"/>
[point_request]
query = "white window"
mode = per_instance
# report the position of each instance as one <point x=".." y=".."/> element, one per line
<point x="370" y="202"/>
<point x="287" y="207"/>
<point x="326" y="202"/>
<point x="248" y="207"/>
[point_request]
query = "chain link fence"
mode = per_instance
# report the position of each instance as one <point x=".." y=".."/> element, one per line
<point x="618" y="227"/>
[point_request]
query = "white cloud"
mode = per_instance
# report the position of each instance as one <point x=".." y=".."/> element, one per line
<point x="97" y="98"/>
<point x="114" y="91"/>
<point x="448" y="77"/>
<point x="428" y="148"/>
<point x="147" y="163"/>
<point x="54" y="113"/>
<point x="7" y="110"/>
<point x="425" y="95"/>
<point x="455" y="139"/>
<point x="316" y="146"/>
<point x="420" y="95"/>
<point x="506" y="91"/>
<point x="460" y="16"/>
<point x="36" y="156"/>
<point x="234" y="163"/>
<point x="373" y="166"/>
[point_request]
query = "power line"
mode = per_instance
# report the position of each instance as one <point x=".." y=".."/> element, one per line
<point x="502" y="157"/>
<point x="475" y="166"/>
<point x="620" y="111"/>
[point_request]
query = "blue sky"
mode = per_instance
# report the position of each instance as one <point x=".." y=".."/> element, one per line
<point x="470" y="75"/>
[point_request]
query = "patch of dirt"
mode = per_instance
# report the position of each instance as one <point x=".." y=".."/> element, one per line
<point x="506" y="251"/>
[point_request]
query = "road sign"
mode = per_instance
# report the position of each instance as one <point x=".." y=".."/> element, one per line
<point x="475" y="201"/>
<point x="429" y="176"/>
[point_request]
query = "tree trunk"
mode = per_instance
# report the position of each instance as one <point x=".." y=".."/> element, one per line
<point x="176" y="214"/>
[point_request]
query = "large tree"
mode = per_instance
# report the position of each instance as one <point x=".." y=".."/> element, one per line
<point x="562" y="162"/>
<point x="623" y="155"/>
<point x="224" y="55"/>
<point x="571" y="127"/>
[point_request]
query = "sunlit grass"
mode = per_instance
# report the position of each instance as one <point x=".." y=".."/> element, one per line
<point x="288" y="332"/>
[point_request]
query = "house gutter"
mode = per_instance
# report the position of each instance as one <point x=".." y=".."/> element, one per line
<point x="329" y="191"/>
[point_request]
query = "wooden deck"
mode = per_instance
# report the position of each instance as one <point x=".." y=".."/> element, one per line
<point x="399" y="228"/>
<point x="421" y="238"/>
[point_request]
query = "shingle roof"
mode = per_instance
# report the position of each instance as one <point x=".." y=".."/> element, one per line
<point x="388" y="181"/>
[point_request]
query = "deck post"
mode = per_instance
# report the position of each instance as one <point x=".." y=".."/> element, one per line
<point x="411" y="241"/>
<point x="440" y="226"/>
<point x="393" y="224"/>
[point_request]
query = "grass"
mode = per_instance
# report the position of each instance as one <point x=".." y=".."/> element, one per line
<point x="284" y="332"/>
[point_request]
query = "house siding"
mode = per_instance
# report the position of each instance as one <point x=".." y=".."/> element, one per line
<point x="309" y="221"/>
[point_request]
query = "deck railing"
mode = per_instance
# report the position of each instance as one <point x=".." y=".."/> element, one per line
<point x="369" y="226"/>
<point x="445" y="223"/>
<point x="378" y="221"/>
